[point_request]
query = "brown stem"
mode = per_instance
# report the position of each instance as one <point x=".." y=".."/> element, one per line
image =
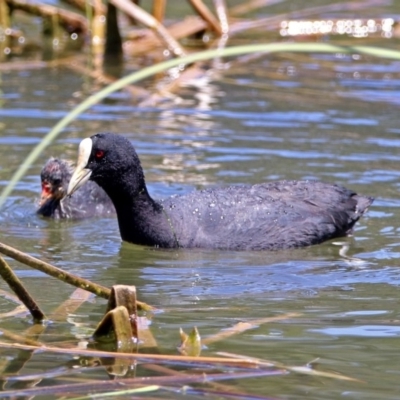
<point x="230" y="362"/>
<point x="207" y="15"/>
<point x="69" y="20"/>
<point x="159" y="9"/>
<point x="144" y="45"/>
<point x="82" y="4"/>
<point x="55" y="272"/>
<point x="18" y="288"/>
<point x="64" y="276"/>
<point x="148" y="20"/>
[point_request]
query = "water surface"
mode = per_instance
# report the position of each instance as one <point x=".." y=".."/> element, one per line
<point x="282" y="116"/>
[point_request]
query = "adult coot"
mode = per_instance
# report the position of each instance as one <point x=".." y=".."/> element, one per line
<point x="276" y="215"/>
<point x="90" y="201"/>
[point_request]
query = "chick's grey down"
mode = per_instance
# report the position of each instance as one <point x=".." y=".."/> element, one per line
<point x="90" y="201"/>
<point x="269" y="216"/>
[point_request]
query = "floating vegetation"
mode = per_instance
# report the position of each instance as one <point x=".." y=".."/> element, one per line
<point x="123" y="327"/>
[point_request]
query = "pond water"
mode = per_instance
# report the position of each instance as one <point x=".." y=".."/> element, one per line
<point x="330" y="117"/>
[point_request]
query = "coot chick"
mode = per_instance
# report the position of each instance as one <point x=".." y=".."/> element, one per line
<point x="270" y="216"/>
<point x="92" y="201"/>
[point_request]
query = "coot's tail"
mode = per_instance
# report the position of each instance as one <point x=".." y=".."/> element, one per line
<point x="363" y="202"/>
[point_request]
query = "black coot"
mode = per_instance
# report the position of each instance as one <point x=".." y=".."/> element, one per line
<point x="271" y="216"/>
<point x="91" y="200"/>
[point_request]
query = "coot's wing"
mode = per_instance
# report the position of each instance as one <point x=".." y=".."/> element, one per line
<point x="278" y="215"/>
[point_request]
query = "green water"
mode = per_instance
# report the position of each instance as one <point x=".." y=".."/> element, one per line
<point x="284" y="116"/>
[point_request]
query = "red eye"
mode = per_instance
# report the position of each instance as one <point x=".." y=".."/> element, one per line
<point x="99" y="154"/>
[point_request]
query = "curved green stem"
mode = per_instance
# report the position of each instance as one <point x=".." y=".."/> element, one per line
<point x="201" y="56"/>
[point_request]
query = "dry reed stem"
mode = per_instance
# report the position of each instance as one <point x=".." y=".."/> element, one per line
<point x="222" y="13"/>
<point x="64" y="276"/>
<point x="163" y="370"/>
<point x="306" y="369"/>
<point x="207" y="15"/>
<point x="15" y="337"/>
<point x="189" y="26"/>
<point x="69" y="306"/>
<point x="143" y="357"/>
<point x="81" y="4"/>
<point x="18" y="288"/>
<point x="244" y="326"/>
<point x="17" y="311"/>
<point x="69" y="20"/>
<point x="159" y="9"/>
<point x="5" y="26"/>
<point x="148" y="20"/>
<point x="80" y="67"/>
<point x="10" y="296"/>
<point x="103" y="386"/>
<point x="55" y="272"/>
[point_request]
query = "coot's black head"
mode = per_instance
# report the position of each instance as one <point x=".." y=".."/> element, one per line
<point x="111" y="161"/>
<point x="54" y="177"/>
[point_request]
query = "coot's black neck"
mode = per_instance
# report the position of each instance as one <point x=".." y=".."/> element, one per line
<point x="141" y="219"/>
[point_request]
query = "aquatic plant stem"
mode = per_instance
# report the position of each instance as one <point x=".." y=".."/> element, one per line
<point x="18" y="288"/>
<point x="55" y="272"/>
<point x="163" y="66"/>
<point x="58" y="273"/>
<point x="144" y="357"/>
